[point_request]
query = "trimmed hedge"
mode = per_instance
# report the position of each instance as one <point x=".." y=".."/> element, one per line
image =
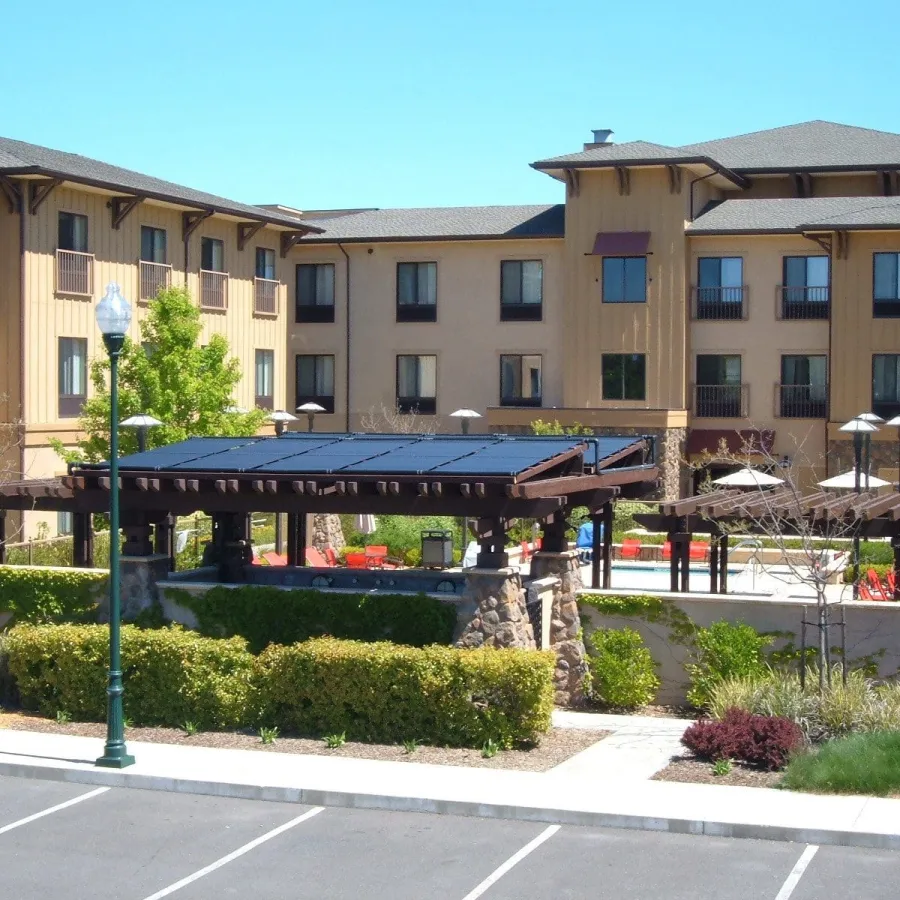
<point x="270" y="615"/>
<point x="171" y="675"/>
<point x="622" y="669"/>
<point x="35" y="594"/>
<point x="381" y="692"/>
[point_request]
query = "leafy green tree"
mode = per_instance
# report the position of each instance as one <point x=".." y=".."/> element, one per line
<point x="169" y="376"/>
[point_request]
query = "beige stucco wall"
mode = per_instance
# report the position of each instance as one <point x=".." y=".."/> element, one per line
<point x="468" y="337"/>
<point x="10" y="316"/>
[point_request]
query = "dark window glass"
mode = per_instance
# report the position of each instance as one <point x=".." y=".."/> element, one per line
<point x="624" y="376"/>
<point x="315" y="381"/>
<point x="625" y="279"/>
<point x="315" y="292"/>
<point x="153" y="244"/>
<point x="886" y="384"/>
<point x="521" y="289"/>
<point x="719" y="389"/>
<point x="212" y="255"/>
<point x="886" y="284"/>
<point x="265" y="378"/>
<point x="417" y="292"/>
<point x="520" y="380"/>
<point x="417" y="384"/>
<point x="265" y="263"/>
<point x="73" y="232"/>
<point x="72" y="362"/>
<point x="804" y="386"/>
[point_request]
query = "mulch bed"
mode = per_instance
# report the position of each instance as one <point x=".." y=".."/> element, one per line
<point x="689" y="769"/>
<point x="558" y="745"/>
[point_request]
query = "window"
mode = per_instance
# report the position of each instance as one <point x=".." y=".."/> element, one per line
<point x="417" y="384"/>
<point x="520" y="380"/>
<point x="212" y="255"/>
<point x="804" y="387"/>
<point x="72" y="376"/>
<point x="265" y="263"/>
<point x="625" y="279"/>
<point x="624" y="376"/>
<point x="720" y="287"/>
<point x="521" y="290"/>
<point x="719" y="388"/>
<point x="64" y="523"/>
<point x="315" y="292"/>
<point x="73" y="232"/>
<point x="804" y="294"/>
<point x="265" y="378"/>
<point x="417" y="292"/>
<point x="886" y="289"/>
<point x="315" y="381"/>
<point x="153" y="244"/>
<point x="886" y="385"/>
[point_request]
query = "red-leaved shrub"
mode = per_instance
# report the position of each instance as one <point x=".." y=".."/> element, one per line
<point x="765" y="741"/>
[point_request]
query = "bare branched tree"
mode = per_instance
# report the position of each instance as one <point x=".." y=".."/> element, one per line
<point x="12" y="438"/>
<point x="389" y="420"/>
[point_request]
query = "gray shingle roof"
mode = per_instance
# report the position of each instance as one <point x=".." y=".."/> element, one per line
<point x="17" y="157"/>
<point x="797" y="214"/>
<point x="808" y="145"/>
<point x="444" y="223"/>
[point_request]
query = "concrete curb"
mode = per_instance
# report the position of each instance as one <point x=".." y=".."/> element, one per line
<point x="387" y="802"/>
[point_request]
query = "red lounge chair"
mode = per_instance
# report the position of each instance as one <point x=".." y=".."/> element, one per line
<point x="892" y="583"/>
<point x="377" y="558"/>
<point x="880" y="591"/>
<point x="526" y="550"/>
<point x="275" y="559"/>
<point x="315" y="559"/>
<point x="667" y="550"/>
<point x="356" y="561"/>
<point x="699" y="551"/>
<point x="331" y="559"/>
<point x="631" y="549"/>
<point x="865" y="593"/>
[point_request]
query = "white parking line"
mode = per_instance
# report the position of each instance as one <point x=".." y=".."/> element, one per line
<point x="498" y="873"/>
<point x="190" y="879"/>
<point x="53" y="809"/>
<point x="797" y="872"/>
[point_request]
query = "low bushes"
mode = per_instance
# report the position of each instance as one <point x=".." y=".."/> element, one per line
<point x="381" y="692"/>
<point x="34" y="594"/>
<point x="766" y="741"/>
<point x="265" y="615"/>
<point x="881" y="569"/>
<point x="621" y="668"/>
<point x="171" y="675"/>
<point x="859" y="764"/>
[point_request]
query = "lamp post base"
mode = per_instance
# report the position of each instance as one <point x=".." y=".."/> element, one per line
<point x="115" y="761"/>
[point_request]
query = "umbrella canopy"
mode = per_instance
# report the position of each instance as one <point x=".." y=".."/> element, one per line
<point x="748" y="477"/>
<point x="847" y="481"/>
<point x="365" y="524"/>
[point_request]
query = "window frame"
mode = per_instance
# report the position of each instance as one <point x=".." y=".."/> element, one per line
<point x="212" y="242"/>
<point x="521" y="401"/>
<point x="623" y="357"/>
<point x="417" y="311"/>
<point x="326" y="401"/>
<point x="154" y="231"/>
<point x="418" y="404"/>
<point x="887" y="408"/>
<point x="623" y="259"/>
<point x="800" y="402"/>
<point x="87" y="231"/>
<point x="266" y="250"/>
<point x="886" y="308"/>
<point x="314" y="313"/>
<point x="69" y="405"/>
<point x="264" y="401"/>
<point x="519" y="310"/>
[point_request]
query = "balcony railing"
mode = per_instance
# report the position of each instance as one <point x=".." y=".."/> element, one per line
<point x="803" y="302"/>
<point x="720" y="401"/>
<point x="213" y="290"/>
<point x="75" y="273"/>
<point x="720" y="302"/>
<point x="801" y="401"/>
<point x="155" y="277"/>
<point x="265" y="296"/>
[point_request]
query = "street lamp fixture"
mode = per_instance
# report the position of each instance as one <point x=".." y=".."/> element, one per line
<point x="113" y="318"/>
<point x="281" y="419"/>
<point x="860" y="429"/>
<point x="465" y="416"/>
<point x="874" y="420"/>
<point x="310" y="409"/>
<point x="142" y="423"/>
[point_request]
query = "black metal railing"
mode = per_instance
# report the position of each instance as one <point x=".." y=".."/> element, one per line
<point x="720" y="303"/>
<point x="802" y="401"/>
<point x="803" y="302"/>
<point x="720" y="401"/>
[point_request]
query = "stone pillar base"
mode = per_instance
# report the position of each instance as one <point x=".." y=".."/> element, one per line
<point x="138" y="577"/>
<point x="501" y="617"/>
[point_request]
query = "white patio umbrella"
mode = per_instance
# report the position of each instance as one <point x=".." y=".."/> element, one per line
<point x="747" y="477"/>
<point x="365" y="524"/>
<point x="847" y="481"/>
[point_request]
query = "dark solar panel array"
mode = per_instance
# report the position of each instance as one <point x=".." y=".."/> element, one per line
<point x="197" y="448"/>
<point x="606" y="447"/>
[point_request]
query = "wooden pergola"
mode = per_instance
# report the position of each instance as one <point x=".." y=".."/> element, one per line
<point x="755" y="512"/>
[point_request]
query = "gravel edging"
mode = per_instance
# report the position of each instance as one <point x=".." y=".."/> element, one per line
<point x="558" y="745"/>
<point x="689" y="769"/>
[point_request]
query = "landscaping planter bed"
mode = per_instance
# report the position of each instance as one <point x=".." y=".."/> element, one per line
<point x="691" y="770"/>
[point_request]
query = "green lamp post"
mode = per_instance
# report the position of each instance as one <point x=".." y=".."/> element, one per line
<point x="113" y="318"/>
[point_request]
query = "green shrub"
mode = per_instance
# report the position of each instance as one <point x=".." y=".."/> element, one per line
<point x="384" y="692"/>
<point x="859" y="764"/>
<point x="876" y="553"/>
<point x="881" y="569"/>
<point x="724" y="650"/>
<point x="265" y="615"/>
<point x="171" y="675"/>
<point x="624" y="513"/>
<point x="621" y="668"/>
<point x="401" y="533"/>
<point x="34" y="594"/>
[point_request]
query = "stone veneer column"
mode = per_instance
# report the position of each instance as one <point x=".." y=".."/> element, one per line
<point x="501" y="617"/>
<point x="327" y="533"/>
<point x="565" y="624"/>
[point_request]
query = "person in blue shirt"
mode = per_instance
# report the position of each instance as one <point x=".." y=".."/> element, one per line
<point x="584" y="542"/>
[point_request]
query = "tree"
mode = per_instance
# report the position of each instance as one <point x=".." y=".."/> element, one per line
<point x="168" y="376"/>
<point x="540" y="427"/>
<point x="388" y="420"/>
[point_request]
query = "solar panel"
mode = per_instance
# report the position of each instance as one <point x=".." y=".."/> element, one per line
<point x="508" y="457"/>
<point x="420" y="457"/>
<point x="255" y="456"/>
<point x="174" y="455"/>
<point x="606" y="447"/>
<point x="340" y="454"/>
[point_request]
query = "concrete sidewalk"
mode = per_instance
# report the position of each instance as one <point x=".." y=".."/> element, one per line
<point x="606" y="785"/>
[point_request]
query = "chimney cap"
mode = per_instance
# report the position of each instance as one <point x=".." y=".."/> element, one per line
<point x="602" y="135"/>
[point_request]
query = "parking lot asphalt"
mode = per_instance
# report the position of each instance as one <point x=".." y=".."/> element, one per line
<point x="62" y="840"/>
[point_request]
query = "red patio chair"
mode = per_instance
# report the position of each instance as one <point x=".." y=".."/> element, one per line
<point x="275" y="559"/>
<point x="315" y="559"/>
<point x="526" y="550"/>
<point x="356" y="561"/>
<point x="880" y="591"/>
<point x="377" y="558"/>
<point x="331" y="559"/>
<point x="865" y="593"/>
<point x="892" y="583"/>
<point x="667" y="550"/>
<point x="699" y="551"/>
<point x="631" y="548"/>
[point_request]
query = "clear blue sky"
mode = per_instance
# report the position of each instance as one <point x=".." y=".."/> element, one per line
<point x="348" y="103"/>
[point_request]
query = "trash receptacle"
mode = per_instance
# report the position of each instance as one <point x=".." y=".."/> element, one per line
<point x="437" y="549"/>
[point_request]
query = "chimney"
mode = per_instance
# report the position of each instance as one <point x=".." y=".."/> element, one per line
<point x="601" y="138"/>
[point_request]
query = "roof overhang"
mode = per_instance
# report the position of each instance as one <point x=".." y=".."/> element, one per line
<point x="557" y="169"/>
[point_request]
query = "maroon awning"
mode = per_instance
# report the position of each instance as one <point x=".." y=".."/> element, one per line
<point x="621" y="243"/>
<point x="708" y="440"/>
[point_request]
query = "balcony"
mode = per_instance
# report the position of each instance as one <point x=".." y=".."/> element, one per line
<point x="155" y="277"/>
<point x="720" y="401"/>
<point x="265" y="296"/>
<point x="803" y="302"/>
<point x="720" y="303"/>
<point x="74" y="273"/>
<point x="801" y="401"/>
<point x="213" y="290"/>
